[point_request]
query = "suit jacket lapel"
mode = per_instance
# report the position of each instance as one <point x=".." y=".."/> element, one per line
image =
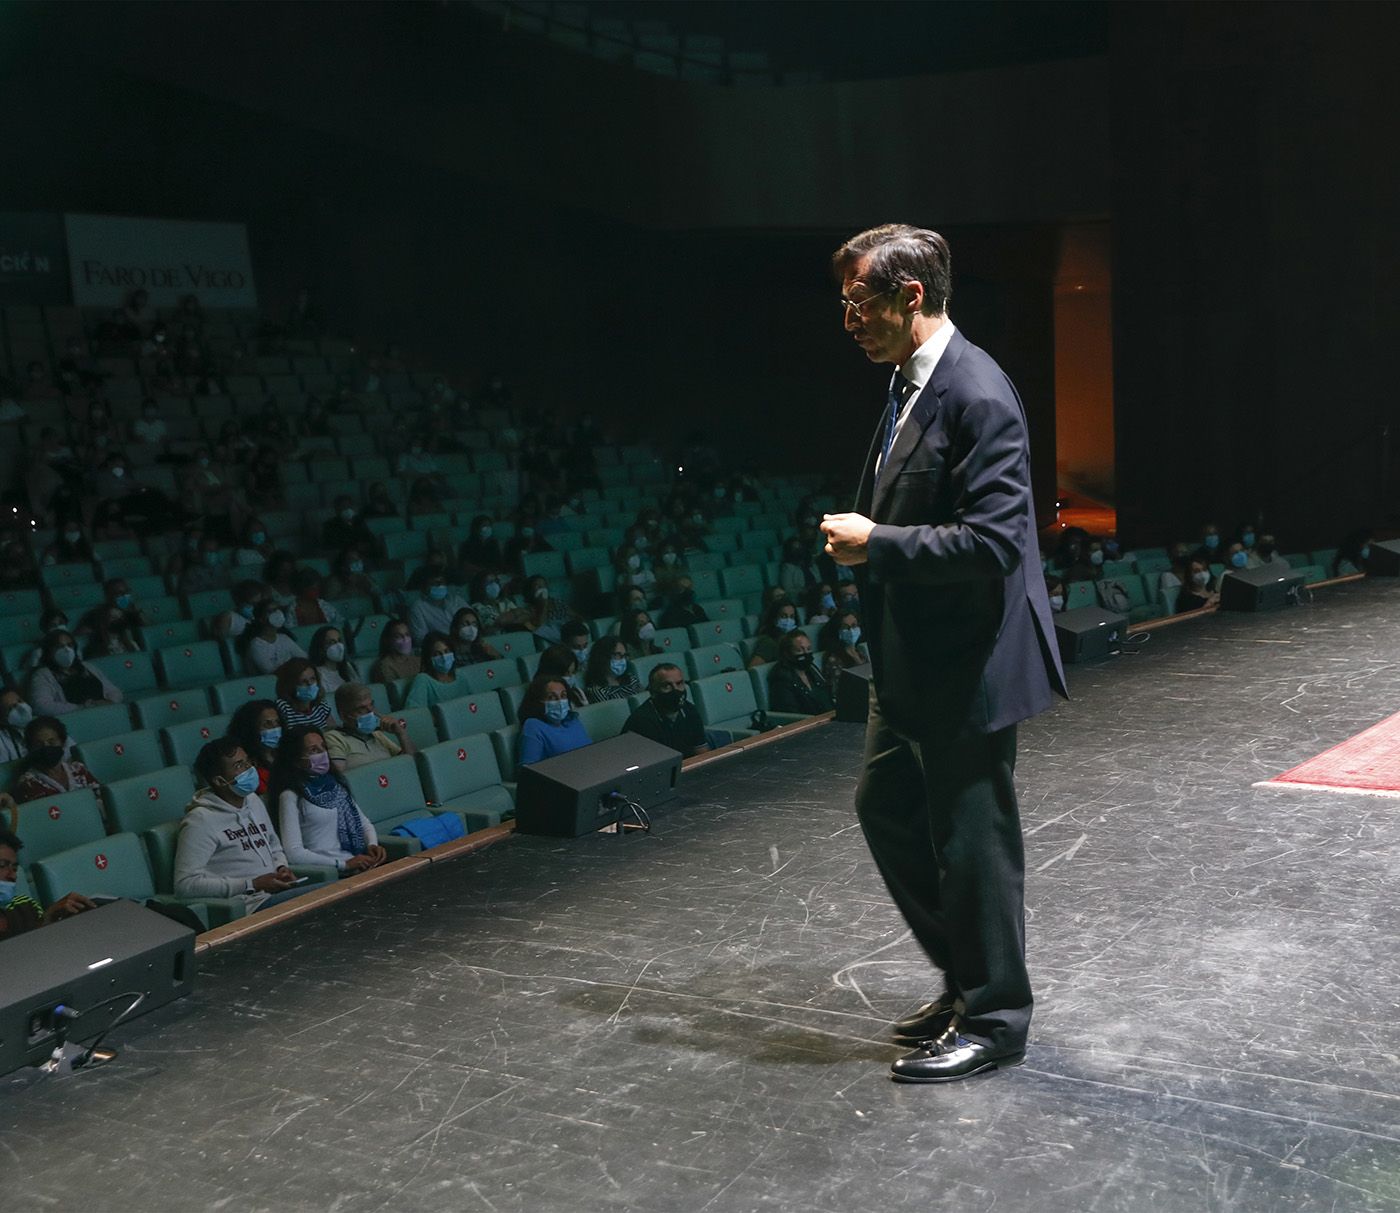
<point x="924" y="409"/>
<point x="866" y="490"/>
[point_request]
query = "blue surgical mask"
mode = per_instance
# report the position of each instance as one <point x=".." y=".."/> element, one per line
<point x="556" y="710"/>
<point x="1239" y="560"/>
<point x="259" y="538"/>
<point x="437" y="592"/>
<point x="20" y="715"/>
<point x="618" y="666"/>
<point x="246" y="610"/>
<point x="1096" y="558"/>
<point x="443" y="662"/>
<point x="828" y="602"/>
<point x="1212" y="542"/>
<point x="357" y="567"/>
<point x="124" y="602"/>
<point x="1057" y="602"/>
<point x="850" y="636"/>
<point x="64" y="656"/>
<point x="307" y="693"/>
<point x="270" y="737"/>
<point x="1247" y="539"/>
<point x="246" y="782"/>
<point x="493" y="590"/>
<point x="786" y="623"/>
<point x="1365" y="551"/>
<point x="7" y="891"/>
<point x="368" y="722"/>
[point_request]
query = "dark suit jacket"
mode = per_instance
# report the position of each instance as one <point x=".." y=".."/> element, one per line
<point x="953" y="597"/>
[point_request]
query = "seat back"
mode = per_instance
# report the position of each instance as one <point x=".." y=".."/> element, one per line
<point x="387" y="788"/>
<point x="422" y="729"/>
<point x="161" y="710"/>
<point x="740" y="579"/>
<point x="114" y="866"/>
<point x="191" y="665"/>
<point x="144" y="801"/>
<point x="724" y="697"/>
<point x="505" y="742"/>
<point x="130" y="673"/>
<point x="543" y="564"/>
<point x="469" y="715"/>
<point x="121" y="756"/>
<point x="160" y="842"/>
<point x="513" y="644"/>
<point x="163" y="635"/>
<point x="604" y="720"/>
<point x="713" y="659"/>
<point x="230" y="696"/>
<point x="55" y="823"/>
<point x="456" y="768"/>
<point x="672" y="640"/>
<point x="183" y="741"/>
<point x="104" y="720"/>
<point x="491" y="675"/>
<point x="717" y="631"/>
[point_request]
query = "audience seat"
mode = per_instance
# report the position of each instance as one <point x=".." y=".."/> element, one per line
<point x="741" y="579"/>
<point x="463" y="776"/>
<point x="604" y="720"/>
<point x="159" y="843"/>
<point x="146" y="800"/>
<point x="390" y="793"/>
<point x="122" y="755"/>
<point x="91" y="724"/>
<point x="182" y="742"/>
<point x="171" y="632"/>
<point x="77" y="598"/>
<point x="717" y="631"/>
<point x="55" y="823"/>
<point x="115" y="866"/>
<point x="231" y="695"/>
<point x="130" y="673"/>
<point x="422" y="730"/>
<point x="171" y="707"/>
<point x="727" y="701"/>
<point x="506" y="744"/>
<point x="512" y="644"/>
<point x="1080" y="594"/>
<point x="492" y="675"/>
<point x="469" y="715"/>
<point x="713" y="659"/>
<point x="191" y="665"/>
<point x="672" y="640"/>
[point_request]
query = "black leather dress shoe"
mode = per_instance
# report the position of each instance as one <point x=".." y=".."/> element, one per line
<point x="950" y="1057"/>
<point x="929" y="1022"/>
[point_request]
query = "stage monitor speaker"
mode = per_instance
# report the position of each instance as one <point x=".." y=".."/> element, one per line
<point x="853" y="693"/>
<point x="571" y="794"/>
<point x="1089" y="633"/>
<point x="1264" y="589"/>
<point x="1384" y="560"/>
<point x="79" y="962"/>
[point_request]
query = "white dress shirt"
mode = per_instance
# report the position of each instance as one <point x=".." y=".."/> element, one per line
<point x="918" y="370"/>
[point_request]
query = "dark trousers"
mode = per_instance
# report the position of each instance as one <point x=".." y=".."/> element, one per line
<point x="941" y="819"/>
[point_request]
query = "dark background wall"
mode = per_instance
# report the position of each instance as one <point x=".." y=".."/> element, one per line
<point x="658" y="250"/>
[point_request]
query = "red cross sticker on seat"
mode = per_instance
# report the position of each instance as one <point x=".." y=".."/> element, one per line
<point x="118" y="749"/>
<point x="506" y="646"/>
<point x="715" y="659"/>
<point x="471" y="707"/>
<point x="384" y="781"/>
<point x="666" y="644"/>
<point x="204" y="731"/>
<point x="490" y="674"/>
<point x="152" y="793"/>
<point x="100" y="862"/>
<point x="55" y="812"/>
<point x="718" y="629"/>
<point x="189" y="652"/>
<point x="728" y="686"/>
<point x="174" y="705"/>
<point x="461" y="754"/>
<point x="251" y="691"/>
<point x="127" y="664"/>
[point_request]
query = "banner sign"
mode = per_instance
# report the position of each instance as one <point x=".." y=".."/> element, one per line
<point x="33" y="259"/>
<point x="111" y="256"/>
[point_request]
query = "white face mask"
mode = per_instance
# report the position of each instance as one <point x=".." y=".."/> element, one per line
<point x="646" y="631"/>
<point x="468" y="632"/>
<point x="276" y="619"/>
<point x="335" y="653"/>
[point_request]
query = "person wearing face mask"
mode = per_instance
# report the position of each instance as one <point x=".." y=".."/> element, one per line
<point x="111" y="633"/>
<point x="609" y="673"/>
<point x="575" y="636"/>
<point x="481" y="550"/>
<point x="493" y="603"/>
<point x="1055" y="590"/>
<point x="559" y="661"/>
<point x="1195" y="591"/>
<point x="682" y="609"/>
<point x="47" y="768"/>
<point x="1353" y="555"/>
<point x="1208" y="551"/>
<point x="227" y="846"/>
<point x="349" y="577"/>
<point x="209" y="570"/>
<point x="468" y="642"/>
<point x="62" y="683"/>
<point x="345" y="527"/>
<point x="331" y="656"/>
<point x="396" y="660"/>
<point x="434" y="607"/>
<point x="632" y="571"/>
<point x="779" y="619"/>
<point x="1236" y="560"/>
<point x="1268" y="552"/>
<point x="318" y="820"/>
<point x="667" y="718"/>
<point x="527" y="539"/>
<point x="365" y="735"/>
<point x="266" y="642"/>
<point x="438" y="679"/>
<point x="669" y="566"/>
<point x="301" y="700"/>
<point x="15" y="716"/>
<point x="546" y="613"/>
<point x="638" y="633"/>
<point x="70" y="546"/>
<point x="837" y="642"/>
<point x="378" y="503"/>
<point x="310" y="607"/>
<point x="150" y="429"/>
<point x="20" y="913"/>
<point x="256" y="546"/>
<point x="820" y="602"/>
<point x="257" y="727"/>
<point x="795" y="684"/>
<point x="233" y="624"/>
<point x="548" y="723"/>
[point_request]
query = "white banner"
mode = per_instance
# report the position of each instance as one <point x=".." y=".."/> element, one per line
<point x="110" y="256"/>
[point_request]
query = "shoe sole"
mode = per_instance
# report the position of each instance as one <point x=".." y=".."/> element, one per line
<point x="1000" y="1063"/>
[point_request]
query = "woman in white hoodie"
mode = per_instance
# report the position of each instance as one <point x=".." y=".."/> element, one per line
<point x="320" y="821"/>
<point x="227" y="846"/>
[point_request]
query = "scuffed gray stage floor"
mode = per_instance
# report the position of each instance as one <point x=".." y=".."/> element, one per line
<point x="694" y="1021"/>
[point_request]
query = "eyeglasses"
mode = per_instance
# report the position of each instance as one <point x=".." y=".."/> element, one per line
<point x="858" y="305"/>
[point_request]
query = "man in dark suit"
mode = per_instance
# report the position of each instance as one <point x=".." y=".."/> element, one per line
<point x="943" y="542"/>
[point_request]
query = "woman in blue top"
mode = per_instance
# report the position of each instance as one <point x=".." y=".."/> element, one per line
<point x="548" y="723"/>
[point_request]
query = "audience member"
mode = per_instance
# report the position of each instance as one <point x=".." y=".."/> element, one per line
<point x="226" y="845"/>
<point x="560" y="661"/>
<point x="318" y="819"/>
<point x="348" y="577"/>
<point x="481" y="550"/>
<point x="47" y="768"/>
<point x="609" y="673"/>
<point x="266" y="642"/>
<point x="301" y="701"/>
<point x="432" y="611"/>
<point x="544" y="614"/>
<point x="310" y="607"/>
<point x="346" y="528"/>
<point x="1208" y="550"/>
<point x="364" y="735"/>
<point x="798" y="569"/>
<point x="378" y="503"/>
<point x="1354" y="554"/>
<point x="111" y="633"/>
<point x="438" y="678"/>
<point x="795" y="684"/>
<point x="468" y="643"/>
<point x="681" y="610"/>
<point x="257" y="727"/>
<point x="330" y="655"/>
<point x="819" y="603"/>
<point x="666" y="717"/>
<point x="62" y="683"/>
<point x="1055" y="591"/>
<point x="575" y="636"/>
<point x="397" y="660"/>
<point x="19" y="912"/>
<point x="494" y="607"/>
<point x="15" y="716"/>
<point x="838" y="640"/>
<point x="777" y="621"/>
<point x="1195" y="591"/>
<point x="638" y="633"/>
<point x="548" y="723"/>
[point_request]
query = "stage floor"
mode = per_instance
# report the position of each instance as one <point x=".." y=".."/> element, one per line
<point x="695" y="1020"/>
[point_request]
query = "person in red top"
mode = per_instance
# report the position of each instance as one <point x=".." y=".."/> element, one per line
<point x="47" y="768"/>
